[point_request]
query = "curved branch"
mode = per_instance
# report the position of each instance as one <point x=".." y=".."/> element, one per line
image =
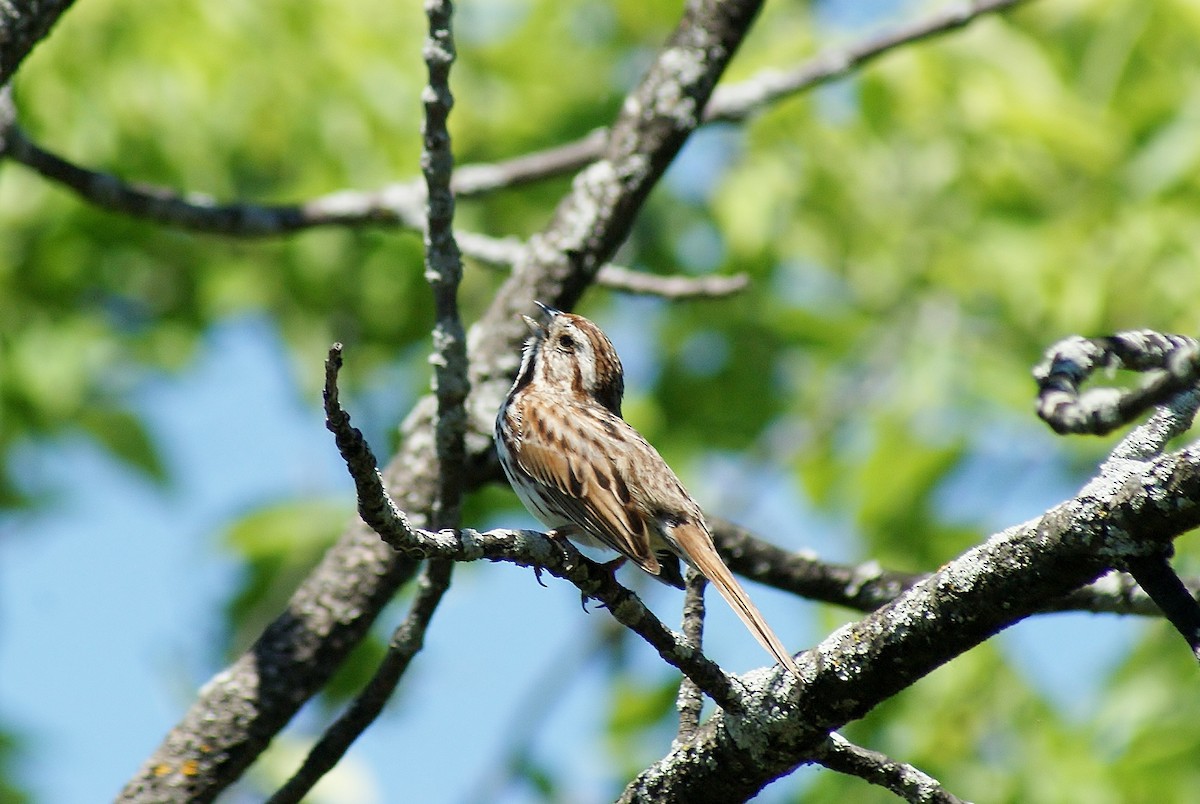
<point x="400" y="204"/>
<point x="736" y="102"/>
<point x="913" y="785"/>
<point x="1070" y="362"/>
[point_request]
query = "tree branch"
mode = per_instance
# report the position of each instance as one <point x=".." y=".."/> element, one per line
<point x="23" y="25"/>
<point x="623" y="279"/>
<point x="689" y="703"/>
<point x="403" y="203"/>
<point x="1070" y="362"/>
<point x="405" y="643"/>
<point x="1155" y="575"/>
<point x="443" y="271"/>
<point x="868" y="586"/>
<point x="1016" y="573"/>
<point x="508" y="251"/>
<point x="909" y="783"/>
<point x="736" y="102"/>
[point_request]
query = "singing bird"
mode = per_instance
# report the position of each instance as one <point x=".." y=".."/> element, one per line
<point x="584" y="472"/>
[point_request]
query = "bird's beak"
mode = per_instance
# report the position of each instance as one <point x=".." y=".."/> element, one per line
<point x="534" y="327"/>
<point x="549" y="312"/>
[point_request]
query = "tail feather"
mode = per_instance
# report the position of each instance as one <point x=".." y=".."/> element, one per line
<point x="698" y="547"/>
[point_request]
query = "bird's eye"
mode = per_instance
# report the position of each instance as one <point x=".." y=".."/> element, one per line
<point x="567" y="343"/>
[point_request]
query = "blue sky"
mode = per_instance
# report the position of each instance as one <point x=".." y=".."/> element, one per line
<point x="110" y="602"/>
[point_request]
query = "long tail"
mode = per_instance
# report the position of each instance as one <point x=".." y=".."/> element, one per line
<point x="699" y="550"/>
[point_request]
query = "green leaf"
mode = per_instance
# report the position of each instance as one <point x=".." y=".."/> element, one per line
<point x="125" y="437"/>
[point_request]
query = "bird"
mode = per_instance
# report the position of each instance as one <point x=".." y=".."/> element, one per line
<point x="589" y="476"/>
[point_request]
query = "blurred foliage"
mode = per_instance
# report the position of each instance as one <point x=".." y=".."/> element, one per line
<point x="917" y="235"/>
<point x="278" y="545"/>
<point x="11" y="789"/>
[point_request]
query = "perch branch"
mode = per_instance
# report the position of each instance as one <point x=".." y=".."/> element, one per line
<point x="524" y="548"/>
<point x="508" y="251"/>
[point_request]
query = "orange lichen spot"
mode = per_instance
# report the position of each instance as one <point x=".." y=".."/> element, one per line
<point x="190" y="768"/>
<point x="162" y="769"/>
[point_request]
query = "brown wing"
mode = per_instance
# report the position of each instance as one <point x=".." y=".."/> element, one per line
<point x="606" y="475"/>
<point x="583" y="452"/>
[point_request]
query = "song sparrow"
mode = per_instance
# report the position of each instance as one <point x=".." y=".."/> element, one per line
<point x="584" y="472"/>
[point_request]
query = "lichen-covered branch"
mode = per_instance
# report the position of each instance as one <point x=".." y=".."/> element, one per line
<point x="689" y="703"/>
<point x="868" y="586"/>
<point x="1016" y="573"/>
<point x="443" y="270"/>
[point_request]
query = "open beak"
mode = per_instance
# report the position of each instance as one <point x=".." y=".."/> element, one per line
<point x="536" y="327"/>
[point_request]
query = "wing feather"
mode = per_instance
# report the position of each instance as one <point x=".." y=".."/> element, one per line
<point x="588" y="477"/>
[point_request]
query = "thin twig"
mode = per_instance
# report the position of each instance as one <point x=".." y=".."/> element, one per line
<point x="508" y="251"/>
<point x="736" y="102"/>
<point x="689" y="702"/>
<point x="910" y="783"/>
<point x="443" y="270"/>
<point x="676" y="287"/>
<point x="406" y="642"/>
